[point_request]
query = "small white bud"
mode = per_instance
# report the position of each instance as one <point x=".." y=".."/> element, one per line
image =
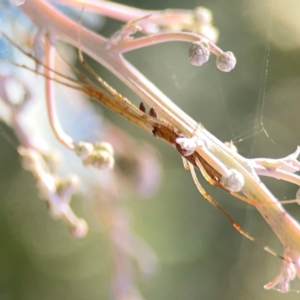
<point x="65" y="188"/>
<point x="199" y="53"/>
<point x="99" y="155"/>
<point x="84" y="149"/>
<point x="30" y="158"/>
<point x="234" y="182"/>
<point x="101" y="160"/>
<point x="79" y="230"/>
<point x="189" y="145"/>
<point x="226" y="61"/>
<point x="203" y="15"/>
<point x="105" y="146"/>
<point x="208" y="31"/>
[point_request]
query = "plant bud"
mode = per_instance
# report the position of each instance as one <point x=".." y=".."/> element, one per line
<point x="226" y="62"/>
<point x="199" y="53"/>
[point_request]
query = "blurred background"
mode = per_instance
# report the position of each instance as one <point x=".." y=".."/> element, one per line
<point x="200" y="255"/>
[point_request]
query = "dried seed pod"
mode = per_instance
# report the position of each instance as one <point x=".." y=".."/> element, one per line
<point x="199" y="53"/>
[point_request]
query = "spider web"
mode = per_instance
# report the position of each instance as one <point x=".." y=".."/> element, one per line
<point x="258" y="127"/>
<point x="251" y="129"/>
<point x="274" y="124"/>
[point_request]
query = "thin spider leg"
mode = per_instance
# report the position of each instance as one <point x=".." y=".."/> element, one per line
<point x="256" y="203"/>
<point x="99" y="95"/>
<point x="185" y="164"/>
<point x="96" y="94"/>
<point x="87" y="87"/>
<point x="282" y="202"/>
<point x="213" y="182"/>
<point x="118" y="108"/>
<point x="204" y="173"/>
<point x="231" y="220"/>
<point x="29" y="55"/>
<point x="87" y="83"/>
<point x="237" y="195"/>
<point x="105" y="100"/>
<point x="92" y="90"/>
<point x="124" y="108"/>
<point x="79" y="88"/>
<point x="103" y="82"/>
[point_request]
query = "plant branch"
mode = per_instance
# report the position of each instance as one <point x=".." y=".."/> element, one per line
<point x="61" y="136"/>
<point x="61" y="27"/>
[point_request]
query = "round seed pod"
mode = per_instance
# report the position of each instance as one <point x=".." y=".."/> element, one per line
<point x="226" y="62"/>
<point x="199" y="53"/>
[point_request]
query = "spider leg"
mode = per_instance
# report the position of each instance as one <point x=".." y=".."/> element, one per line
<point x="109" y="88"/>
<point x="237" y="195"/>
<point x="231" y="220"/>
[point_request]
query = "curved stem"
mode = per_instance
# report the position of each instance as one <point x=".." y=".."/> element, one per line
<point x="60" y="135"/>
<point x="150" y="40"/>
<point x="279" y="174"/>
